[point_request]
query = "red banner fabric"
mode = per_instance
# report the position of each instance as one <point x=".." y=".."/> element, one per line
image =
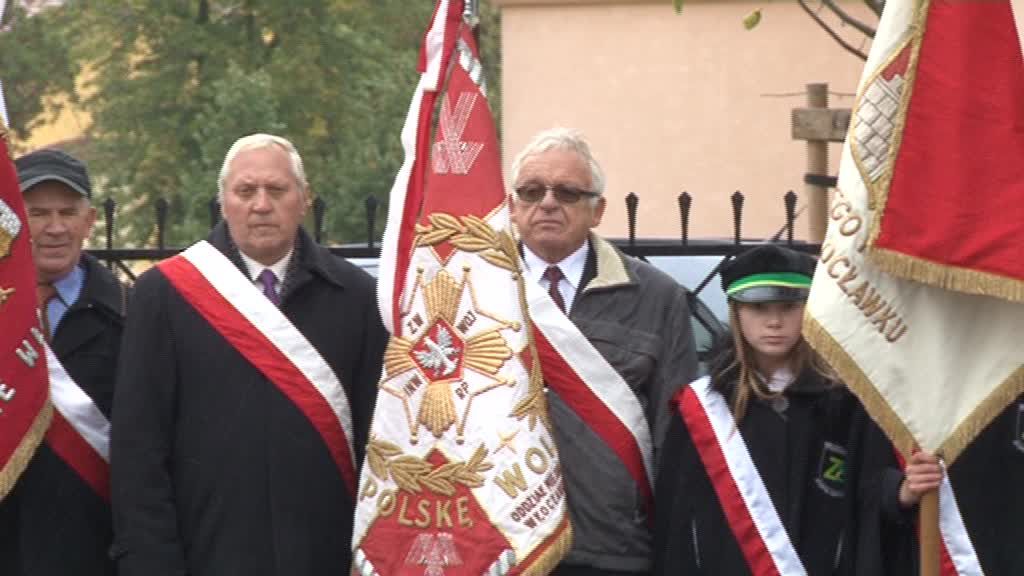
<point x="956" y="199"/>
<point x="24" y="391"/>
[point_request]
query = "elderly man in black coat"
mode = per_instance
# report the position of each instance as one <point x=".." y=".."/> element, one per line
<point x="57" y="519"/>
<point x="249" y="372"/>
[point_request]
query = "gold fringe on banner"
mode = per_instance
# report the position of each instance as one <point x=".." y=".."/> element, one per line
<point x="855" y="379"/>
<point x="545" y="562"/>
<point x="987" y="411"/>
<point x="965" y="280"/>
<point x="25" y="450"/>
<point x="878" y="408"/>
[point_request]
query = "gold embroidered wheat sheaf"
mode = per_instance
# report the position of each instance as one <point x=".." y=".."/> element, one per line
<point x="412" y="473"/>
<point x="470" y="234"/>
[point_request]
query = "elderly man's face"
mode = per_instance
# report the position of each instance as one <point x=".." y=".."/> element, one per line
<point x="550" y="228"/>
<point x="263" y="203"/>
<point x="59" y="219"/>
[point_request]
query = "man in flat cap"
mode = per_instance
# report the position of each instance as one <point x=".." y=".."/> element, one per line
<point x="59" y="512"/>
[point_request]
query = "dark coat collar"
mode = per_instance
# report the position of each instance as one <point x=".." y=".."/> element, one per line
<point x="309" y="259"/>
<point x="100" y="289"/>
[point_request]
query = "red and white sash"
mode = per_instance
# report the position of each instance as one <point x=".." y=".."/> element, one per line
<point x="79" y="433"/>
<point x="593" y="389"/>
<point x="237" y="310"/>
<point x="742" y="494"/>
<point x="956" y="542"/>
<point x="958" y="557"/>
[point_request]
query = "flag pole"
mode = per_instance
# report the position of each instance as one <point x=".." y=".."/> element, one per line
<point x="4" y="121"/>
<point x="928" y="521"/>
<point x="471" y="16"/>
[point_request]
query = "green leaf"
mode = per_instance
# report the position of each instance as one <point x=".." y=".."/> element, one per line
<point x="678" y="5"/>
<point x="752" y="19"/>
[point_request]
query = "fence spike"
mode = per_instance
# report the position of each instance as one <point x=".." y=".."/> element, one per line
<point x="109" y="205"/>
<point x="790" y="200"/>
<point x="214" y="212"/>
<point x="685" y="201"/>
<point x="632" y="200"/>
<point x="737" y="216"/>
<point x="371" y="219"/>
<point x="161" y="221"/>
<point x="319" y="209"/>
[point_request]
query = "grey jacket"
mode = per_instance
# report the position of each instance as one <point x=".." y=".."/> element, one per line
<point x="638" y="318"/>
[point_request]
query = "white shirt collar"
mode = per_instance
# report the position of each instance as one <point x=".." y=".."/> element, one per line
<point x="571" y="267"/>
<point x="279" y="268"/>
<point x="780" y="380"/>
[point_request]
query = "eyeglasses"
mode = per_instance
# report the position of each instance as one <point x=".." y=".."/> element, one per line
<point x="534" y="192"/>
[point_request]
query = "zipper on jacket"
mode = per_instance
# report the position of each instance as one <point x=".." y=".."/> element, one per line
<point x="696" y="547"/>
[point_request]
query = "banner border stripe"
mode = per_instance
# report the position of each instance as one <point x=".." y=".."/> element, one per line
<point x="26" y="449"/>
<point x="858" y="382"/>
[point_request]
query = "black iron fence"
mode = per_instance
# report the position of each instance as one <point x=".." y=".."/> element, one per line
<point x="118" y="259"/>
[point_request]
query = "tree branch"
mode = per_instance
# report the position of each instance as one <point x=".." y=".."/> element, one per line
<point x="824" y="26"/>
<point x="849" y="20"/>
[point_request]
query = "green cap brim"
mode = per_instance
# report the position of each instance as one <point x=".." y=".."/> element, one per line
<point x="770" y="287"/>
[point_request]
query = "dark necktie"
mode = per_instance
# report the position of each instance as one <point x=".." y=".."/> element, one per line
<point x="554" y="275"/>
<point x="268" y="280"/>
<point x="45" y="293"/>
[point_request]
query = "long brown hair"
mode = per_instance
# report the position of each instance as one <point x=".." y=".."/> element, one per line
<point x="733" y="372"/>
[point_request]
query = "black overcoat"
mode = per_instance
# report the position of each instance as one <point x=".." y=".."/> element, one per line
<point x="215" y="471"/>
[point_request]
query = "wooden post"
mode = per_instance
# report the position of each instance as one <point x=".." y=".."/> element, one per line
<point x="928" y="520"/>
<point x="817" y="163"/>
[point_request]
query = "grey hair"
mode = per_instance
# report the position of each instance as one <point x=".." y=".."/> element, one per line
<point x="561" y="139"/>
<point x="252" y="142"/>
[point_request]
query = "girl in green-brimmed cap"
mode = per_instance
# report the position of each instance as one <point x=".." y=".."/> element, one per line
<point x="753" y="473"/>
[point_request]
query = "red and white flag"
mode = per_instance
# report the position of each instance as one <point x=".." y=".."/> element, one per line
<point x="917" y="298"/>
<point x="946" y="201"/>
<point x="25" y="410"/>
<point x="461" y="473"/>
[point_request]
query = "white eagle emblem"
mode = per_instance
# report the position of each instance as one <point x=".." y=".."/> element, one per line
<point x="439" y="355"/>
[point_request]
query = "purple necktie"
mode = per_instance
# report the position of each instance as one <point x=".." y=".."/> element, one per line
<point x="554" y="275"/>
<point x="268" y="280"/>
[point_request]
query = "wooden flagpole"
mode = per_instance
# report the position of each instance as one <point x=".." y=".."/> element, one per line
<point x="928" y="524"/>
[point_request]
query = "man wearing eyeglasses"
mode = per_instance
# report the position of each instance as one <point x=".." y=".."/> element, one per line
<point x="628" y="313"/>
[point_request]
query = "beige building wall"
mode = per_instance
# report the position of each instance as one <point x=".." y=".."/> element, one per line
<point x="674" y="102"/>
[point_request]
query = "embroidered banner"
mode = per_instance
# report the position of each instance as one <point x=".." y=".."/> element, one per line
<point x="932" y="366"/>
<point x="25" y="409"/>
<point x="461" y="472"/>
<point x="938" y="138"/>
